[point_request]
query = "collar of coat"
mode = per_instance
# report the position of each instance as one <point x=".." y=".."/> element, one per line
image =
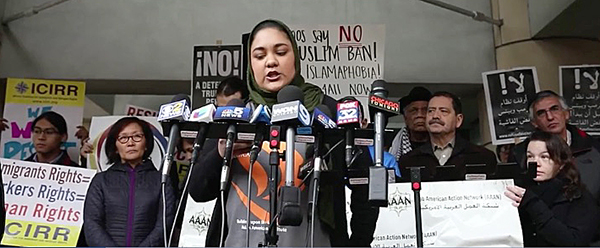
<point x="144" y="166"/>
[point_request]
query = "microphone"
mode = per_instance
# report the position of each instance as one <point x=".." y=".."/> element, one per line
<point x="203" y="115"/>
<point x="349" y="116"/>
<point x="290" y="112"/>
<point x="170" y="115"/>
<point x="320" y="121"/>
<point x="233" y="113"/>
<point x="262" y="117"/>
<point x="380" y="108"/>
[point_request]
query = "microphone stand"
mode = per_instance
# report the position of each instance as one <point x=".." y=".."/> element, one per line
<point x="314" y="187"/>
<point x="271" y="236"/>
<point x="415" y="180"/>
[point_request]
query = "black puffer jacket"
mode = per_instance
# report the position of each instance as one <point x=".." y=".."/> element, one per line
<point x="116" y="214"/>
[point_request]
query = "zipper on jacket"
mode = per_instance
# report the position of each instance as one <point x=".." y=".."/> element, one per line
<point x="130" y="206"/>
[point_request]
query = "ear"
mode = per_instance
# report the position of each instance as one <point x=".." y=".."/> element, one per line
<point x="459" y="120"/>
<point x="64" y="138"/>
<point x="567" y="115"/>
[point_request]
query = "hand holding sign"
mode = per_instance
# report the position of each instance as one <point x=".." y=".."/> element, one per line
<point x="3" y="124"/>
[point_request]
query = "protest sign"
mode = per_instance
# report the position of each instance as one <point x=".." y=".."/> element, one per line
<point x="44" y="203"/>
<point x="507" y="96"/>
<point x="26" y="99"/>
<point x="579" y="87"/>
<point x="212" y="64"/>
<point x="196" y="220"/>
<point x="456" y="213"/>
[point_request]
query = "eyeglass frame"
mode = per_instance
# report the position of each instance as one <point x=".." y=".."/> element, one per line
<point x="128" y="137"/>
<point x="554" y="109"/>
<point x="37" y="131"/>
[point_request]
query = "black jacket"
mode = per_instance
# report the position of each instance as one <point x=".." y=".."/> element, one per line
<point x="586" y="151"/>
<point x="63" y="160"/>
<point x="204" y="186"/>
<point x="116" y="213"/>
<point x="464" y="153"/>
<point x="548" y="218"/>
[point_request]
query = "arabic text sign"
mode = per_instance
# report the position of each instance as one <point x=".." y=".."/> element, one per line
<point x="507" y="95"/>
<point x="579" y="87"/>
<point x="457" y="213"/>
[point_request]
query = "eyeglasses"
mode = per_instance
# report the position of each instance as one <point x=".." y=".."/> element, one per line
<point x="48" y="131"/>
<point x="544" y="112"/>
<point x="135" y="138"/>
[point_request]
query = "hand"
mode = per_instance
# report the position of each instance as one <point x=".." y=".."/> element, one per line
<point x="239" y="147"/>
<point x="3" y="124"/>
<point x="86" y="148"/>
<point x="82" y="133"/>
<point x="515" y="193"/>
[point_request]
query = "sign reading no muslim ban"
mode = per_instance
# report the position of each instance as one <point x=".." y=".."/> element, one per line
<point x="210" y="66"/>
<point x="507" y="96"/>
<point x="341" y="59"/>
<point x="44" y="203"/>
<point x="456" y="213"/>
<point x="579" y="87"/>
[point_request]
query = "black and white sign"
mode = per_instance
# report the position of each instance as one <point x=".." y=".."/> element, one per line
<point x="211" y="65"/>
<point x="579" y="87"/>
<point x="507" y="96"/>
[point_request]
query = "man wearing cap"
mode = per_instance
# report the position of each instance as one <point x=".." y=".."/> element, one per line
<point x="549" y="112"/>
<point x="445" y="148"/>
<point x="413" y="108"/>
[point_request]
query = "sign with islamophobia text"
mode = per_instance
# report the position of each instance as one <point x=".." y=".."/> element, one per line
<point x="43" y="203"/>
<point x="579" y="87"/>
<point x="342" y="59"/>
<point x="26" y="99"/>
<point x="211" y="64"/>
<point x="455" y="213"/>
<point x="507" y="97"/>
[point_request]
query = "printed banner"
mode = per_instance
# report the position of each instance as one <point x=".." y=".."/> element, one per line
<point x="211" y="65"/>
<point x="507" y="96"/>
<point x="26" y="99"/>
<point x="44" y="203"/>
<point x="457" y="214"/>
<point x="99" y="128"/>
<point x="579" y="87"/>
<point x="196" y="220"/>
<point x="342" y="59"/>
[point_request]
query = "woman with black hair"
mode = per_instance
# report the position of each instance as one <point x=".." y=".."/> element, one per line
<point x="48" y="133"/>
<point x="556" y="210"/>
<point x="123" y="206"/>
<point x="274" y="63"/>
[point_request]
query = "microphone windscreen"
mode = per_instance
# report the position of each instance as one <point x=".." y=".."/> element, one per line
<point x="180" y="97"/>
<point x="290" y="93"/>
<point x="325" y="110"/>
<point x="236" y="102"/>
<point x="378" y="84"/>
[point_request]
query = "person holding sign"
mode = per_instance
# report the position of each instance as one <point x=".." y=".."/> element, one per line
<point x="556" y="210"/>
<point x="123" y="206"/>
<point x="274" y="63"/>
<point x="549" y="113"/>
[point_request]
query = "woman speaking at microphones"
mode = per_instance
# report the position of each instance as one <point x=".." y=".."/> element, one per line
<point x="274" y="63"/>
<point x="556" y="210"/>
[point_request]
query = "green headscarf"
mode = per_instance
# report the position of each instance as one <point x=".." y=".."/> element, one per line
<point x="313" y="96"/>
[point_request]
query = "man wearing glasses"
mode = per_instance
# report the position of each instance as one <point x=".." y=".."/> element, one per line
<point x="49" y="131"/>
<point x="549" y="112"/>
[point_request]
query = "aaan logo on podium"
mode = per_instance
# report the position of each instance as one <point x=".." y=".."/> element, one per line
<point x="200" y="221"/>
<point x="399" y="201"/>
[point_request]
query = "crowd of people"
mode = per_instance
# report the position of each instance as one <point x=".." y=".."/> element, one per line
<point x="559" y="207"/>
